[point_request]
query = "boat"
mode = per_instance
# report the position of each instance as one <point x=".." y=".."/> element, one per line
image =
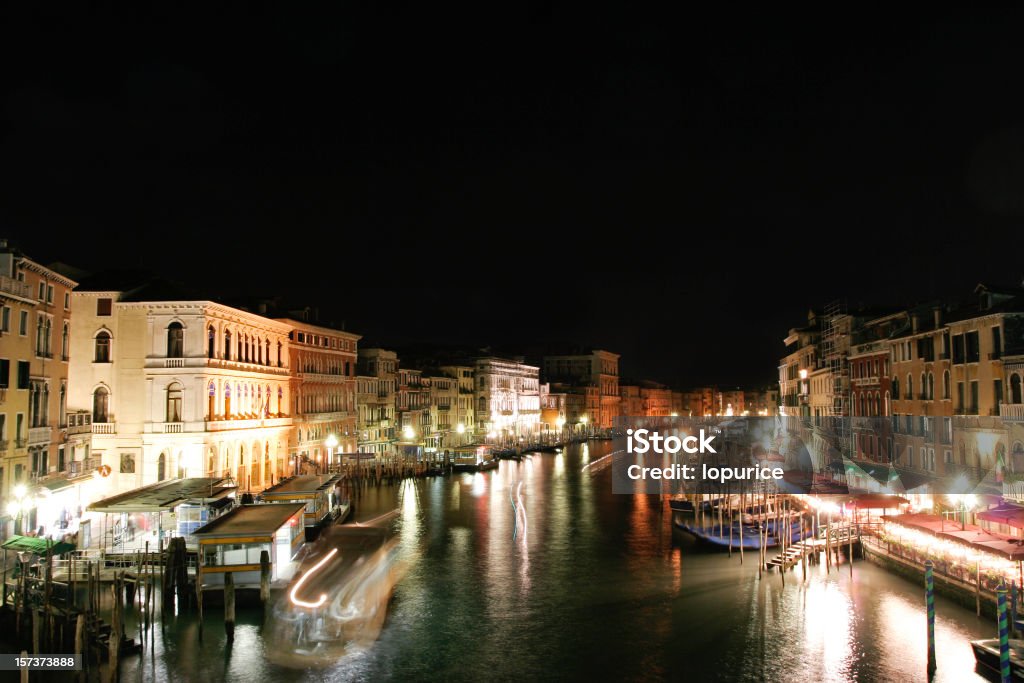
<point x="684" y="505"/>
<point x="474" y="458"/>
<point x="718" y="537"/>
<point x="337" y="601"/>
<point x="986" y="652"/>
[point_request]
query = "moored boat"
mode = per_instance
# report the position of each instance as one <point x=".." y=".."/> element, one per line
<point x="474" y="458"/>
<point x="986" y="652"/>
<point x="719" y="537"/>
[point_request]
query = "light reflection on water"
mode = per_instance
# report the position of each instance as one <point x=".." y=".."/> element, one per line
<point x="599" y="587"/>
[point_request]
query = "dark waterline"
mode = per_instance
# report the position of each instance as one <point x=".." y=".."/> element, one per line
<point x="588" y="585"/>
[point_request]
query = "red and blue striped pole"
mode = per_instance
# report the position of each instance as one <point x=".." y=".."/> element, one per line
<point x="929" y="596"/>
<point x="1004" y="636"/>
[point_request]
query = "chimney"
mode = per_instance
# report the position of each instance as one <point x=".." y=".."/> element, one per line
<point x="937" y="313"/>
<point x="915" y="322"/>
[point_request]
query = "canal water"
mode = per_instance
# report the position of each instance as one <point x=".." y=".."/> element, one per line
<point x="537" y="571"/>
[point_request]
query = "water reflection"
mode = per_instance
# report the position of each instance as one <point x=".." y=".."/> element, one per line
<point x="537" y="570"/>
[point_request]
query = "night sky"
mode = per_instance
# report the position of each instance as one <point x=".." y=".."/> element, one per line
<point x="679" y="189"/>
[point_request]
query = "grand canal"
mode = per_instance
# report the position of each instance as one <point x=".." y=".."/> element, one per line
<point x="538" y="571"/>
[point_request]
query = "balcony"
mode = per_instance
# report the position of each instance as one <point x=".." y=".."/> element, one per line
<point x="174" y="362"/>
<point x="40" y="353"/>
<point x="77" y="468"/>
<point x="1012" y="412"/>
<point x="16" y="288"/>
<point x="104" y="427"/>
<point x="38" y="435"/>
<point x="247" y="423"/>
<point x="865" y="381"/>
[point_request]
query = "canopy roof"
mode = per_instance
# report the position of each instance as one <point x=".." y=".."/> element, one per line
<point x="38" y="546"/>
<point x="167" y="495"/>
<point x="302" y="484"/>
<point x="1011" y="515"/>
<point x="968" y="534"/>
<point x="261" y="520"/>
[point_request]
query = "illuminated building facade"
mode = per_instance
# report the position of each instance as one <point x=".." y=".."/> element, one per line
<point x="179" y="388"/>
<point x="598" y="370"/>
<point x="323" y="391"/>
<point x="35" y="320"/>
<point x="507" y="398"/>
<point x="377" y="380"/>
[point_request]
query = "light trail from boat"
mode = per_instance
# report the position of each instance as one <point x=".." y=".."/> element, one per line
<point x="378" y="518"/>
<point x="592" y="465"/>
<point x="521" y="508"/>
<point x="515" y="512"/>
<point x="298" y="584"/>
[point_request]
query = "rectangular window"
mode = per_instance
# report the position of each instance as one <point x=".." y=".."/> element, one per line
<point x="960" y="396"/>
<point x="67" y="300"/>
<point x="958" y="348"/>
<point x="5" y="319"/>
<point x="973" y="348"/>
<point x="103" y="307"/>
<point x="23" y="374"/>
<point x="23" y="324"/>
<point x="973" y="408"/>
<point x="42" y="290"/>
<point x="49" y="294"/>
<point x="997" y="343"/>
<point x="5" y="373"/>
<point x="997" y="394"/>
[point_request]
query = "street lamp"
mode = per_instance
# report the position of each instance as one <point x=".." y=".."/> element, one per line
<point x="966" y="502"/>
<point x="408" y="433"/>
<point x="18" y="506"/>
<point x="460" y="429"/>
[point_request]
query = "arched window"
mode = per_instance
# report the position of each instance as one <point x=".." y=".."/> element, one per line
<point x="174" y="396"/>
<point x="161" y="467"/>
<point x="211" y="408"/>
<point x="227" y="399"/>
<point x="211" y="341"/>
<point x="64" y="343"/>
<point x="102" y="352"/>
<point x="931" y="386"/>
<point x="241" y="348"/>
<point x="910" y="387"/>
<point x="945" y="384"/>
<point x="227" y="344"/>
<point x="268" y="400"/>
<point x="279" y="354"/>
<point x="888" y="408"/>
<point x="175" y="340"/>
<point x="266" y="357"/>
<point x="280" y="398"/>
<point x="896" y="388"/>
<point x="100" y="404"/>
<point x="924" y="386"/>
<point x="1015" y="389"/>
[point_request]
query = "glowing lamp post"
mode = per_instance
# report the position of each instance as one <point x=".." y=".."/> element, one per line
<point x="966" y="502"/>
<point x="17" y="507"/>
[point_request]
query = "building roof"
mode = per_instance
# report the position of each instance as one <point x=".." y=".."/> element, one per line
<point x="304" y="483"/>
<point x="166" y="495"/>
<point x="251" y="520"/>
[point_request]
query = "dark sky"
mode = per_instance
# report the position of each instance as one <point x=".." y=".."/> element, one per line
<point x="677" y="188"/>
